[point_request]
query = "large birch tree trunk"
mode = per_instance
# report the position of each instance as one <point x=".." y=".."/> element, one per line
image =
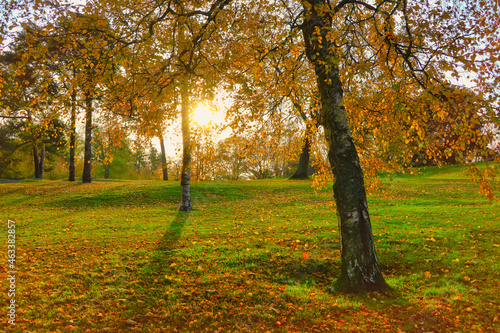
<point x="186" y="151"/>
<point x="359" y="267"/>
<point x="87" y="157"/>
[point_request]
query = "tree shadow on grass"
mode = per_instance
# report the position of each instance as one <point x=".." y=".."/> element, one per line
<point x="161" y="258"/>
<point x="151" y="277"/>
<point x="119" y="197"/>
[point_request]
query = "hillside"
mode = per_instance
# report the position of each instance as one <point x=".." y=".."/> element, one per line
<point x="254" y="256"/>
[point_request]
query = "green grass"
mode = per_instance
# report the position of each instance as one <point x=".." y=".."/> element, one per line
<point x="253" y="256"/>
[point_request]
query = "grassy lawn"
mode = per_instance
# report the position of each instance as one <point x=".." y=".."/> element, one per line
<point x="117" y="256"/>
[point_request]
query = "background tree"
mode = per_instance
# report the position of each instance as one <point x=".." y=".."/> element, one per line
<point x="155" y="159"/>
<point x="84" y="60"/>
<point x="456" y="124"/>
<point x="164" y="165"/>
<point x="230" y="158"/>
<point x="140" y="157"/>
<point x="203" y="153"/>
<point x="27" y="97"/>
<point x="108" y="137"/>
<point x="10" y="159"/>
<point x="180" y="32"/>
<point x="116" y="160"/>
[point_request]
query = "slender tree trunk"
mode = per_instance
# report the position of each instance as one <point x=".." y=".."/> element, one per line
<point x="106" y="171"/>
<point x="36" y="160"/>
<point x="301" y="172"/>
<point x="39" y="159"/>
<point x="42" y="161"/>
<point x="87" y="157"/>
<point x="186" y="151"/>
<point x="102" y="156"/>
<point x="163" y="158"/>
<point x="36" y="156"/>
<point x="72" y="138"/>
<point x="359" y="267"/>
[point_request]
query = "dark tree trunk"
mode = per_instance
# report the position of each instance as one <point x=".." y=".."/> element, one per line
<point x="186" y="151"/>
<point x="72" y="138"/>
<point x="163" y="159"/>
<point x="42" y="161"/>
<point x="106" y="171"/>
<point x="36" y="160"/>
<point x="106" y="164"/>
<point x="39" y="159"/>
<point x="359" y="268"/>
<point x="87" y="157"/>
<point x="301" y="172"/>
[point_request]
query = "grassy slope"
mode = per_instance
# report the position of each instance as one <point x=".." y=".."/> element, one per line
<point x="252" y="257"/>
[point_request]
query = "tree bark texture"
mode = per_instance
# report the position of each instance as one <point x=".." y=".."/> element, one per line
<point x="87" y="157"/>
<point x="359" y="265"/>
<point x="186" y="151"/>
<point x="72" y="138"/>
<point x="163" y="158"/>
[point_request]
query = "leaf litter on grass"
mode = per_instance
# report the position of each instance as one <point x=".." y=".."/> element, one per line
<point x="252" y="257"/>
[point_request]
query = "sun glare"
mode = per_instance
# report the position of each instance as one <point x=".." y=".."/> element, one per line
<point x="204" y="116"/>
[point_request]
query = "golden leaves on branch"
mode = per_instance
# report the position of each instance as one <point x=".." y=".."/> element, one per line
<point x="484" y="176"/>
